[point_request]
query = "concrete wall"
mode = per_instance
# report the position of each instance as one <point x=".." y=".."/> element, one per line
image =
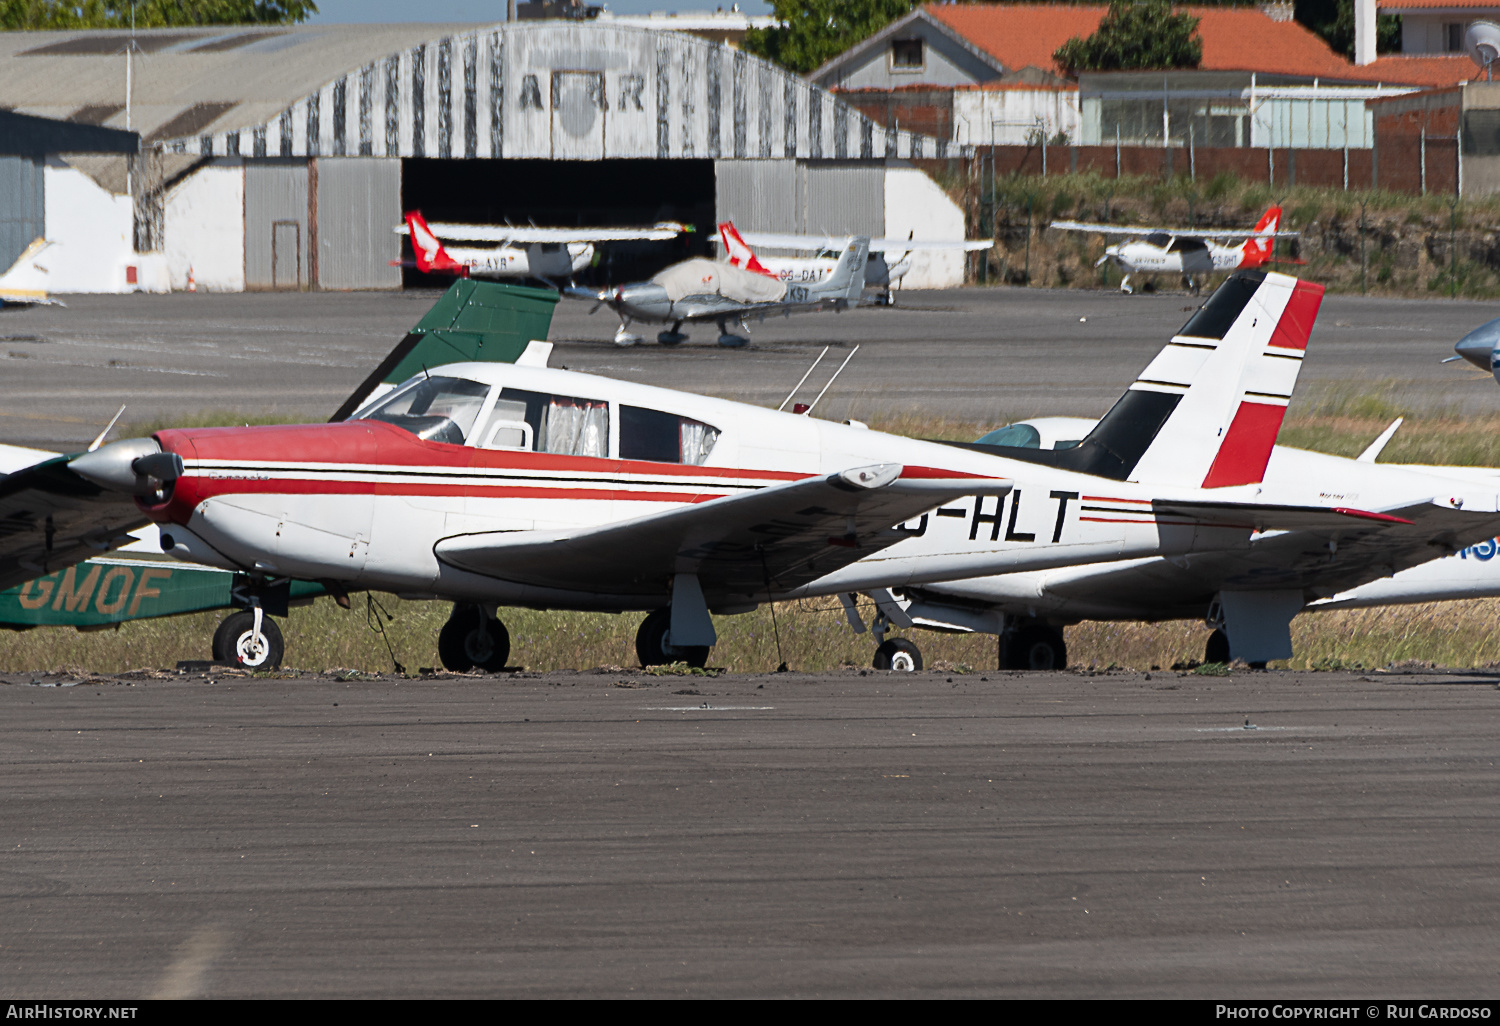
<point x="916" y="206"/>
<point x="204" y="227"/>
<point x="1011" y="116"/>
<point x="91" y="230"/>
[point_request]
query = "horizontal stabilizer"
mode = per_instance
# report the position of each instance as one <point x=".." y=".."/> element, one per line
<point x="787" y="534"/>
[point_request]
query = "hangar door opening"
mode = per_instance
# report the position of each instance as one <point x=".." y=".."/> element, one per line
<point x="570" y="194"/>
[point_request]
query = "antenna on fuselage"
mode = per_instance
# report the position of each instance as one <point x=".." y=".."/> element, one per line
<point x="799" y="384"/>
<point x="808" y="412"/>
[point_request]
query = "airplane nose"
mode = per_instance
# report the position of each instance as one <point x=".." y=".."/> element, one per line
<point x="1478" y="346"/>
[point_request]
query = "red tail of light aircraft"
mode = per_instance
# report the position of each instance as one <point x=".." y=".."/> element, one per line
<point x="1191" y="253"/>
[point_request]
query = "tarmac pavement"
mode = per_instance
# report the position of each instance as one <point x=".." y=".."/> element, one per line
<point x="984" y="354"/>
<point x="858" y="834"/>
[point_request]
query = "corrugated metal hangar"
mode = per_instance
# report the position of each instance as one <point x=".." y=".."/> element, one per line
<point x="283" y="158"/>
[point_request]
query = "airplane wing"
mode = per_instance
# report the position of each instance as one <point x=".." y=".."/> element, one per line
<point x="789" y="534"/>
<point x="1321" y="562"/>
<point x="1179" y="233"/>
<point x="812" y="243"/>
<point x="51" y="518"/>
<point x="523" y="234"/>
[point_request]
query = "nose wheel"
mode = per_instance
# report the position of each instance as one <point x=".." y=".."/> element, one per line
<point x="653" y="643"/>
<point x="471" y="639"/>
<point x="245" y="642"/>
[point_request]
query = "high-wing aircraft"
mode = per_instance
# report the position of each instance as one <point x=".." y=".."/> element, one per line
<point x="486" y="484"/>
<point x="547" y="254"/>
<point x="1191" y="253"/>
<point x="701" y="290"/>
<point x="1248" y="596"/>
<point x="889" y="261"/>
<point x="473" y="320"/>
<point x="25" y="283"/>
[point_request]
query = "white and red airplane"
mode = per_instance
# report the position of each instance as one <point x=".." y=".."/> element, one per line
<point x="490" y="485"/>
<point x="1190" y="253"/>
<point x="1247" y="596"/>
<point x="888" y="262"/>
<point x="522" y="252"/>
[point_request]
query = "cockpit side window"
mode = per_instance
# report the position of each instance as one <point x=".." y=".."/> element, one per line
<point x="1159" y="239"/>
<point x="664" y="437"/>
<point x="539" y="422"/>
<point x="436" y="409"/>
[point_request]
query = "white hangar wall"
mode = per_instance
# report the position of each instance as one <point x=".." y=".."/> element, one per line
<point x="203" y="228"/>
<point x="91" y="230"/>
<point x="917" y="207"/>
<point x="567" y="91"/>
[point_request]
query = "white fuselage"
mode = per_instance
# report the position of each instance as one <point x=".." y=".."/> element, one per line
<point x="533" y="260"/>
<point x="365" y="504"/>
<point x="1142" y="257"/>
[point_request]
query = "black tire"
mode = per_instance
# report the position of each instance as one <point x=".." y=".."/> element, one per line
<point x="671" y="338"/>
<point x="1034" y="647"/>
<point x="898" y="654"/>
<point x="233" y="642"/>
<point x="733" y="341"/>
<point x="653" y="646"/>
<point x="1216" y="650"/>
<point x="471" y="639"/>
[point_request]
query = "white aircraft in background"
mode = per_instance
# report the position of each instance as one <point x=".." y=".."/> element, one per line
<point x="521" y="252"/>
<point x="1191" y="253"/>
<point x="888" y="262"/>
<point x="25" y="284"/>
<point x="491" y="484"/>
<point x="1247" y="596"/>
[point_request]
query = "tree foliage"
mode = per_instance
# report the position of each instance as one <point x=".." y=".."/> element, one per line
<point x="813" y="31"/>
<point x="1334" y="21"/>
<point x="1140" y="36"/>
<point x="85" y="14"/>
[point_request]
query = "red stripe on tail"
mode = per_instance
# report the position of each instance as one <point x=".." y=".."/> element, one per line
<point x="1297" y="319"/>
<point x="1246" y="448"/>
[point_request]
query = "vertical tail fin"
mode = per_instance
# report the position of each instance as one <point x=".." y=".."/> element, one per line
<point x="1258" y="250"/>
<point x="739" y="252"/>
<point x="1206" y="411"/>
<point x="431" y="256"/>
<point x="26" y="280"/>
<point x="848" y="278"/>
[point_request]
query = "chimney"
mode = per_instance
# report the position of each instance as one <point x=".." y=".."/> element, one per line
<point x="1278" y="10"/>
<point x="1364" y="31"/>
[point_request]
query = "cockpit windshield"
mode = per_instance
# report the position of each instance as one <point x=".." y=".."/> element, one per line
<point x="437" y="409"/>
<point x="1020" y="436"/>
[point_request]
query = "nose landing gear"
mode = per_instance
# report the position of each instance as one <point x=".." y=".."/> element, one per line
<point x="250" y="639"/>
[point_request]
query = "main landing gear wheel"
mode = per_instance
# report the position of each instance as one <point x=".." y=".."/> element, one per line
<point x="672" y="337"/>
<point x="898" y="654"/>
<point x="1033" y="647"/>
<point x="1217" y="648"/>
<point x="236" y="642"/>
<point x="653" y="643"/>
<point x="471" y="639"/>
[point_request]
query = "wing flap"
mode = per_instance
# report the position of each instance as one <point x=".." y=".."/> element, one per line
<point x="787" y="534"/>
<point x="1268" y="516"/>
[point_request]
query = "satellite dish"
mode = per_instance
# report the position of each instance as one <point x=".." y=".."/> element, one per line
<point x="1483" y="43"/>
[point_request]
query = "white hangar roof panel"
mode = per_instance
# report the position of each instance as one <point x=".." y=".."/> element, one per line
<point x="550" y="90"/>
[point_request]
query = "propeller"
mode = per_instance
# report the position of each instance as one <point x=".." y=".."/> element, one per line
<point x="134" y="465"/>
<point x="1102" y="260"/>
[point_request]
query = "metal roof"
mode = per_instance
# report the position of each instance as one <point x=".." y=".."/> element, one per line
<point x="539" y="89"/>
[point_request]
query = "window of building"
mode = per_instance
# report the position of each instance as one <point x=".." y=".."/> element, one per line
<point x="907" y="54"/>
<point x="664" y="437"/>
<point x="1453" y="37"/>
